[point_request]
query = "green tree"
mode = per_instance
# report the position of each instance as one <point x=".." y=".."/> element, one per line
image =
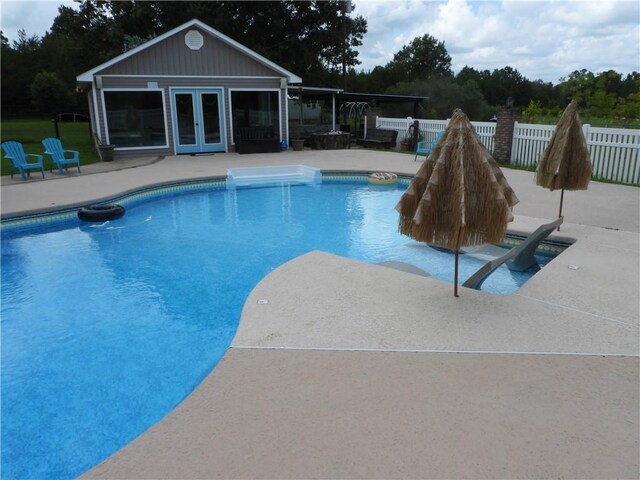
<point x="444" y="96"/>
<point x="579" y="86"/>
<point x="504" y="83"/>
<point x="533" y="112"/>
<point x="631" y="84"/>
<point x="628" y="108"/>
<point x="507" y="82"/>
<point x="49" y="94"/>
<point x="423" y="58"/>
<point x="317" y="31"/>
<point x="20" y="63"/>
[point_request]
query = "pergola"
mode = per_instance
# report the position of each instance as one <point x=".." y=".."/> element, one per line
<point x="338" y="97"/>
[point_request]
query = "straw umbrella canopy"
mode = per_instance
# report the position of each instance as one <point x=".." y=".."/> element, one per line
<point x="565" y="163"/>
<point x="459" y="197"/>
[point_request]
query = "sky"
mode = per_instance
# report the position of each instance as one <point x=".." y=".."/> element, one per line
<point x="544" y="40"/>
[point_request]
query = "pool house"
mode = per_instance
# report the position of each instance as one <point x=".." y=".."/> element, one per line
<point x="188" y="91"/>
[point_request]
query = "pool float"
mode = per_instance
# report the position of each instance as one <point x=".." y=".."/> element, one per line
<point x="100" y="213"/>
<point x="383" y="178"/>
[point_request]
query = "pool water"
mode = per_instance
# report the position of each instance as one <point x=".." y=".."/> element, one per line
<point x="107" y="327"/>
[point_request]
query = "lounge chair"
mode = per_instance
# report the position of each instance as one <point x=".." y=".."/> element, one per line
<point x="19" y="162"/>
<point x="425" y="147"/>
<point x="53" y="148"/>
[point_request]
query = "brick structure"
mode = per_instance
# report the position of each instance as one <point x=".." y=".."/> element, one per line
<point x="504" y="134"/>
<point x="372" y="113"/>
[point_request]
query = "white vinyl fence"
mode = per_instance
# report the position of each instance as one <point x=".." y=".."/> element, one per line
<point x="430" y="128"/>
<point x="614" y="152"/>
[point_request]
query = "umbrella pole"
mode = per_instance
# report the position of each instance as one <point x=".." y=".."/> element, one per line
<point x="455" y="276"/>
<point x="561" y="200"/>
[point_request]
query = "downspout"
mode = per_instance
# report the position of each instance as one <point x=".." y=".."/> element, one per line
<point x="284" y="86"/>
<point x="333" y="110"/>
<point x="300" y="101"/>
<point x="98" y="129"/>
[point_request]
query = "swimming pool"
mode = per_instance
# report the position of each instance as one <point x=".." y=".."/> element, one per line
<point x="107" y="327"/>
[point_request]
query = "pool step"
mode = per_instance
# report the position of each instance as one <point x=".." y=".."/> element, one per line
<point x="275" y="175"/>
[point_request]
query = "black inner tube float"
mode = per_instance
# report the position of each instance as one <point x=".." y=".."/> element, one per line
<point x="100" y="213"/>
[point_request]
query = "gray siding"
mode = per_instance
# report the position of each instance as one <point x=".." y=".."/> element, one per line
<point x="172" y="57"/>
<point x="165" y="84"/>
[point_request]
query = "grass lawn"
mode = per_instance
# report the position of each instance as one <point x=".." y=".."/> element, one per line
<point x="74" y="136"/>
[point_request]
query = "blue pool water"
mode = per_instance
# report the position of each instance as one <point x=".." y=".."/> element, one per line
<point x="107" y="327"/>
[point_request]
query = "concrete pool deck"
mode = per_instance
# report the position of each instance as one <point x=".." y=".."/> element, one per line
<point x="354" y="370"/>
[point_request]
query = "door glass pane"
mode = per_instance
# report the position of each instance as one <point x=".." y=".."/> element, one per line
<point x="186" y="123"/>
<point x="210" y="117"/>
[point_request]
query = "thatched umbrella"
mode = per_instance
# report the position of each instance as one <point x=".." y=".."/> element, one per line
<point x="565" y="163"/>
<point x="459" y="197"/>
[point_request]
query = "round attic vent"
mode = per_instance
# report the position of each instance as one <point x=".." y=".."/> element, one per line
<point x="193" y="39"/>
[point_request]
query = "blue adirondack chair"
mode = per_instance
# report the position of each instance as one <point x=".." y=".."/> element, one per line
<point x="425" y="147"/>
<point x="19" y="162"/>
<point x="53" y="148"/>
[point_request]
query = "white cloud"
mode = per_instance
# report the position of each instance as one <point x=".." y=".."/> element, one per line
<point x="34" y="16"/>
<point x="542" y="39"/>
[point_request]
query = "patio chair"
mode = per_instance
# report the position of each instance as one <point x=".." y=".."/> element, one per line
<point x="425" y="147"/>
<point x="19" y="160"/>
<point x="53" y="148"/>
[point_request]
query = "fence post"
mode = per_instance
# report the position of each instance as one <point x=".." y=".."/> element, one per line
<point x="513" y="142"/>
<point x="585" y="132"/>
<point x="55" y="126"/>
<point x="373" y="114"/>
<point x="503" y="139"/>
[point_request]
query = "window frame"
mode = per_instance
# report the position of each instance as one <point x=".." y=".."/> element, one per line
<point x="280" y="120"/>
<point x="164" y="116"/>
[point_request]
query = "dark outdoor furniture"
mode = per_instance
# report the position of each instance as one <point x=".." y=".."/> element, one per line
<point x="330" y="141"/>
<point x="257" y="140"/>
<point x="379" y="137"/>
<point x="305" y="132"/>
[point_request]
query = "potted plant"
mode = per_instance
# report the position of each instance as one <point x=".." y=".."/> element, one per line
<point x="297" y="144"/>
<point x="104" y="150"/>
<point x="406" y="143"/>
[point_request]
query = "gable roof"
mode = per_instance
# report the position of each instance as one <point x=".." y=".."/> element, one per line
<point x="291" y="78"/>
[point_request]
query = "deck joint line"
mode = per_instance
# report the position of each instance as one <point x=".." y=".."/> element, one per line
<point x="572" y="309"/>
<point x="410" y="350"/>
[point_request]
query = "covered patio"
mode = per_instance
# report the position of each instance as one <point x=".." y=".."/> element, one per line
<point x="318" y="110"/>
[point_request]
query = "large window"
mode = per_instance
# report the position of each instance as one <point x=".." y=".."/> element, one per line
<point x="135" y="119"/>
<point x="251" y="109"/>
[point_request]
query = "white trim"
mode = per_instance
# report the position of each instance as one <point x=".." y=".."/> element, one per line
<point x="333" y="111"/>
<point x="88" y="75"/>
<point x="92" y="118"/>
<point x="249" y="89"/>
<point x="164" y="114"/>
<point x="243" y="77"/>
<point x="95" y="109"/>
<point x="244" y="89"/>
<point x="104" y="139"/>
<point x="286" y="116"/>
<point x="132" y="89"/>
<point x="126" y="149"/>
